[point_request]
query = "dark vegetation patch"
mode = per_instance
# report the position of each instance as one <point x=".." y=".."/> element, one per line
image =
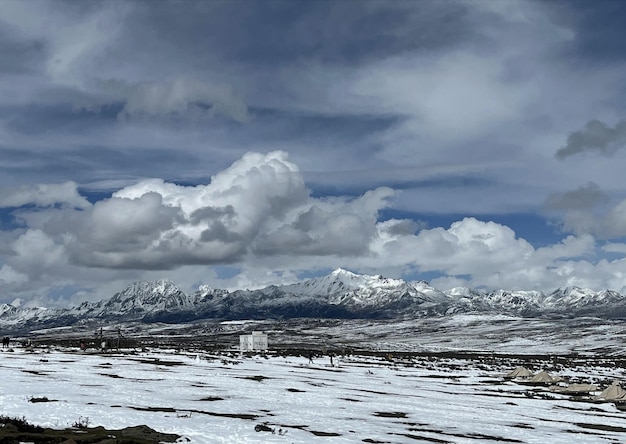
<point x="40" y="399"/>
<point x="18" y="424"/>
<point x="295" y="390"/>
<point x="211" y="398"/>
<point x="263" y="428"/>
<point x="18" y="430"/>
<point x="351" y="399"/>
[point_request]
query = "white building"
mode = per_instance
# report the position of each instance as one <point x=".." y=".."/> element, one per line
<point x="256" y="341"/>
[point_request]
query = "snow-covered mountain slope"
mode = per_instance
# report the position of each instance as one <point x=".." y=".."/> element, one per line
<point x="342" y="287"/>
<point x="341" y="294"/>
<point x="146" y="297"/>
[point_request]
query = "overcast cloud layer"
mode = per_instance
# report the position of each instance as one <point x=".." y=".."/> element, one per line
<point x="241" y="144"/>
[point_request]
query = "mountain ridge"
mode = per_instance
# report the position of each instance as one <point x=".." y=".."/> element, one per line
<point x="340" y="294"/>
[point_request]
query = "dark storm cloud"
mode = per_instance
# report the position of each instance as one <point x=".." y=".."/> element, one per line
<point x="585" y="197"/>
<point x="311" y="125"/>
<point x="271" y="32"/>
<point x="59" y="117"/>
<point x="217" y="231"/>
<point x="19" y="56"/>
<point x="600" y="29"/>
<point x="595" y="137"/>
<point x="389" y="175"/>
<point x="95" y="163"/>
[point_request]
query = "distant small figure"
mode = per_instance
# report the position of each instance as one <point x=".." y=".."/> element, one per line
<point x="83" y="345"/>
<point x="103" y="346"/>
<point x="6" y="341"/>
<point x="331" y="359"/>
<point x="310" y="357"/>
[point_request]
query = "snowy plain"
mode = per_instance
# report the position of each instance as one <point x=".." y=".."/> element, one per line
<point x="208" y="398"/>
<point x="424" y="381"/>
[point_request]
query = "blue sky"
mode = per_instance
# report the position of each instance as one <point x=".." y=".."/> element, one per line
<point x="240" y="144"/>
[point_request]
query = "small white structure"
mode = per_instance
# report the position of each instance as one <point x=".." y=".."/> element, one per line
<point x="256" y="341"/>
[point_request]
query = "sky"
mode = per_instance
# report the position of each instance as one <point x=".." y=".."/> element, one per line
<point x="239" y="144"/>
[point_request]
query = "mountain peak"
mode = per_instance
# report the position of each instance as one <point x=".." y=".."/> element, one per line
<point x="341" y="272"/>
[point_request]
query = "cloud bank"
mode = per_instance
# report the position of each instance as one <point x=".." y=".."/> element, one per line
<point x="258" y="216"/>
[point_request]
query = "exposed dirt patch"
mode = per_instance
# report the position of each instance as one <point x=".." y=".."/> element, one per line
<point x="424" y="438"/>
<point x="390" y="414"/>
<point x="35" y="372"/>
<point x="319" y="433"/>
<point x="603" y="427"/>
<point x="111" y="375"/>
<point x="161" y="362"/>
<point x="154" y="409"/>
<point x="248" y="416"/>
<point x="258" y="378"/>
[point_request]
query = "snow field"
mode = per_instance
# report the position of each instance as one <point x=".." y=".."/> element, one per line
<point x="220" y="399"/>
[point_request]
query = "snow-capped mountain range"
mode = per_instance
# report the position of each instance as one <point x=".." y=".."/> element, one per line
<point x="341" y="294"/>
